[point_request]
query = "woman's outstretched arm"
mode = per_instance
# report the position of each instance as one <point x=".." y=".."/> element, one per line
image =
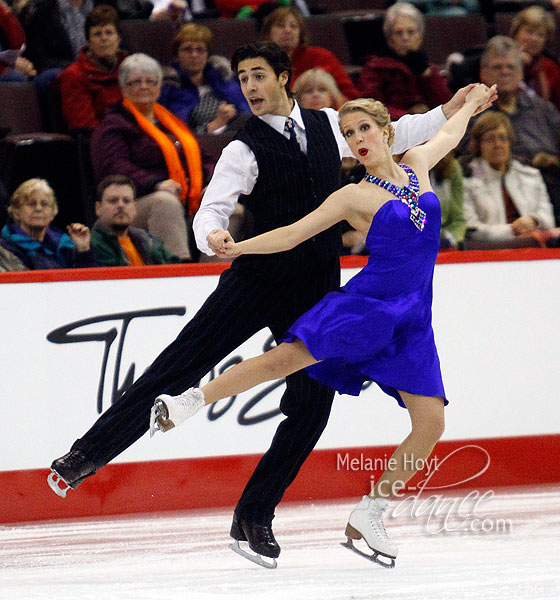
<point x="335" y="208"/>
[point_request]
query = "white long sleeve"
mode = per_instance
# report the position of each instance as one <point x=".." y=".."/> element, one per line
<point x="236" y="171"/>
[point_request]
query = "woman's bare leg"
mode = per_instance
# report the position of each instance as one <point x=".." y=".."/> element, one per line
<point x="427" y="417"/>
<point x="283" y="360"/>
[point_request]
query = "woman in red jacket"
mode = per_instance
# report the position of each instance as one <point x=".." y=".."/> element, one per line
<point x="286" y="27"/>
<point x="402" y="78"/>
<point x="90" y="86"/>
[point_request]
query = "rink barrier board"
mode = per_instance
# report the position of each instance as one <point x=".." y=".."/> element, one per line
<point x="216" y="268"/>
<point x="208" y="482"/>
<point x="170" y="485"/>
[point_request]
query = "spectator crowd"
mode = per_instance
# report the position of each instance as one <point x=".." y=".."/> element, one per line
<point x="150" y="132"/>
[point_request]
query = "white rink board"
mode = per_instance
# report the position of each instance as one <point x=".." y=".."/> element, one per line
<point x="496" y="326"/>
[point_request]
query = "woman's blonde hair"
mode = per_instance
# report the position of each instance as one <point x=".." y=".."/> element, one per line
<point x="534" y="16"/>
<point x="375" y="109"/>
<point x="321" y="77"/>
<point x="192" y="32"/>
<point x="487" y="122"/>
<point x="25" y="191"/>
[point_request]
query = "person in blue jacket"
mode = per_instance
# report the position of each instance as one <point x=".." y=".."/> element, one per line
<point x="199" y="89"/>
<point x="30" y="236"/>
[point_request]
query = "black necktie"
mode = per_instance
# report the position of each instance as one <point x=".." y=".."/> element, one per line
<point x="289" y="126"/>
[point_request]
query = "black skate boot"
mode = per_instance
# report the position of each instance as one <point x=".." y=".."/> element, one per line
<point x="260" y="539"/>
<point x="70" y="470"/>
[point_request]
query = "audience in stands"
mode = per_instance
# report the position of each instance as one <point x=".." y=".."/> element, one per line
<point x="114" y="241"/>
<point x="446" y="179"/>
<point x="131" y="9"/>
<point x="29" y="235"/>
<point x="90" y="86"/>
<point x="536" y="122"/>
<point x="317" y="89"/>
<point x="504" y="199"/>
<point x="54" y="30"/>
<point x="141" y="139"/>
<point x="401" y="76"/>
<point x="287" y="27"/>
<point x="532" y="29"/>
<point x="449" y="8"/>
<point x="13" y="66"/>
<point x="200" y="89"/>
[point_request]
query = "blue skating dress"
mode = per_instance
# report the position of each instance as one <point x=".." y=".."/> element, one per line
<point x="379" y="325"/>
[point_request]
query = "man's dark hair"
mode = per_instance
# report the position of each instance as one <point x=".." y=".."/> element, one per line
<point x="101" y="15"/>
<point x="272" y="53"/>
<point x="114" y="180"/>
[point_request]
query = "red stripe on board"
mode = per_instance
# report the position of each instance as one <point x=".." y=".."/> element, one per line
<point x="216" y="268"/>
<point x="218" y="481"/>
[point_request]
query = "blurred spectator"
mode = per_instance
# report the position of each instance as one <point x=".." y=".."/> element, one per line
<point x="287" y="27"/>
<point x="141" y="139"/>
<point x="200" y="91"/>
<point x="532" y="29"/>
<point x="243" y="9"/>
<point x="177" y="11"/>
<point x="131" y="9"/>
<point x="504" y="199"/>
<point x="317" y="89"/>
<point x="536" y="122"/>
<point x="401" y="77"/>
<point x="447" y="7"/>
<point x="10" y="262"/>
<point x="446" y="179"/>
<point x="28" y="234"/>
<point x="13" y="67"/>
<point x="114" y="242"/>
<point x="54" y="30"/>
<point x="90" y="86"/>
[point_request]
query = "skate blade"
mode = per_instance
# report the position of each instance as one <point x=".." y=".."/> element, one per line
<point x="256" y="558"/>
<point x="372" y="557"/>
<point x="54" y="480"/>
<point x="158" y="418"/>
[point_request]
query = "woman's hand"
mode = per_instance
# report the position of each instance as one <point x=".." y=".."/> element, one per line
<point x="480" y="95"/>
<point x="80" y="235"/>
<point x="169" y="185"/>
<point x="226" y="112"/>
<point x="25" y="67"/>
<point x="524" y="225"/>
<point x="231" y="249"/>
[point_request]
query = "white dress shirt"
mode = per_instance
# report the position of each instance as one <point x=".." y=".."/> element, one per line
<point x="237" y="171"/>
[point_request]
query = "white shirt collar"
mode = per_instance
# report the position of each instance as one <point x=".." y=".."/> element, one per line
<point x="277" y="122"/>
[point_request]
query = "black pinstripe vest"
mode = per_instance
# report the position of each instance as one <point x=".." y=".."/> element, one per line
<point x="290" y="184"/>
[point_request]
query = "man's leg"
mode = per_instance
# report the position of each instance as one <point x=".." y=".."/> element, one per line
<point x="232" y="313"/>
<point x="306" y="404"/>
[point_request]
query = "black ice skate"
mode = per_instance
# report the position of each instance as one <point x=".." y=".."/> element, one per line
<point x="260" y="539"/>
<point x="69" y="471"/>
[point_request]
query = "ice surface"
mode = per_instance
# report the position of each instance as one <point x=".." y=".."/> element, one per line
<point x="185" y="555"/>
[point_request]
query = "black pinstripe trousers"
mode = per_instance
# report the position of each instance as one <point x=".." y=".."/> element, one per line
<point x="245" y="301"/>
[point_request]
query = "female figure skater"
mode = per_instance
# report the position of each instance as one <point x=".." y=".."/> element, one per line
<point x="376" y="327"/>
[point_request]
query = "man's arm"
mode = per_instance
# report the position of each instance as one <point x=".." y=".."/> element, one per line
<point x="236" y="173"/>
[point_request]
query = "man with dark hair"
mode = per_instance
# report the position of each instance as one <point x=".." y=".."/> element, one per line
<point x="284" y="163"/>
<point x="114" y="242"/>
<point x="89" y="86"/>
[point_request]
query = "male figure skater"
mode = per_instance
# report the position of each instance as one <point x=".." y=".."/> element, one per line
<point x="285" y="162"/>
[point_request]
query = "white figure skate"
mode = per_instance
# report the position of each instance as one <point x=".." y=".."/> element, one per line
<point x="366" y="522"/>
<point x="170" y="411"/>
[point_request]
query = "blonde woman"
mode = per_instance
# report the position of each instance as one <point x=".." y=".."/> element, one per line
<point x="378" y="326"/>
<point x="30" y="236"/>
<point x="317" y="89"/>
